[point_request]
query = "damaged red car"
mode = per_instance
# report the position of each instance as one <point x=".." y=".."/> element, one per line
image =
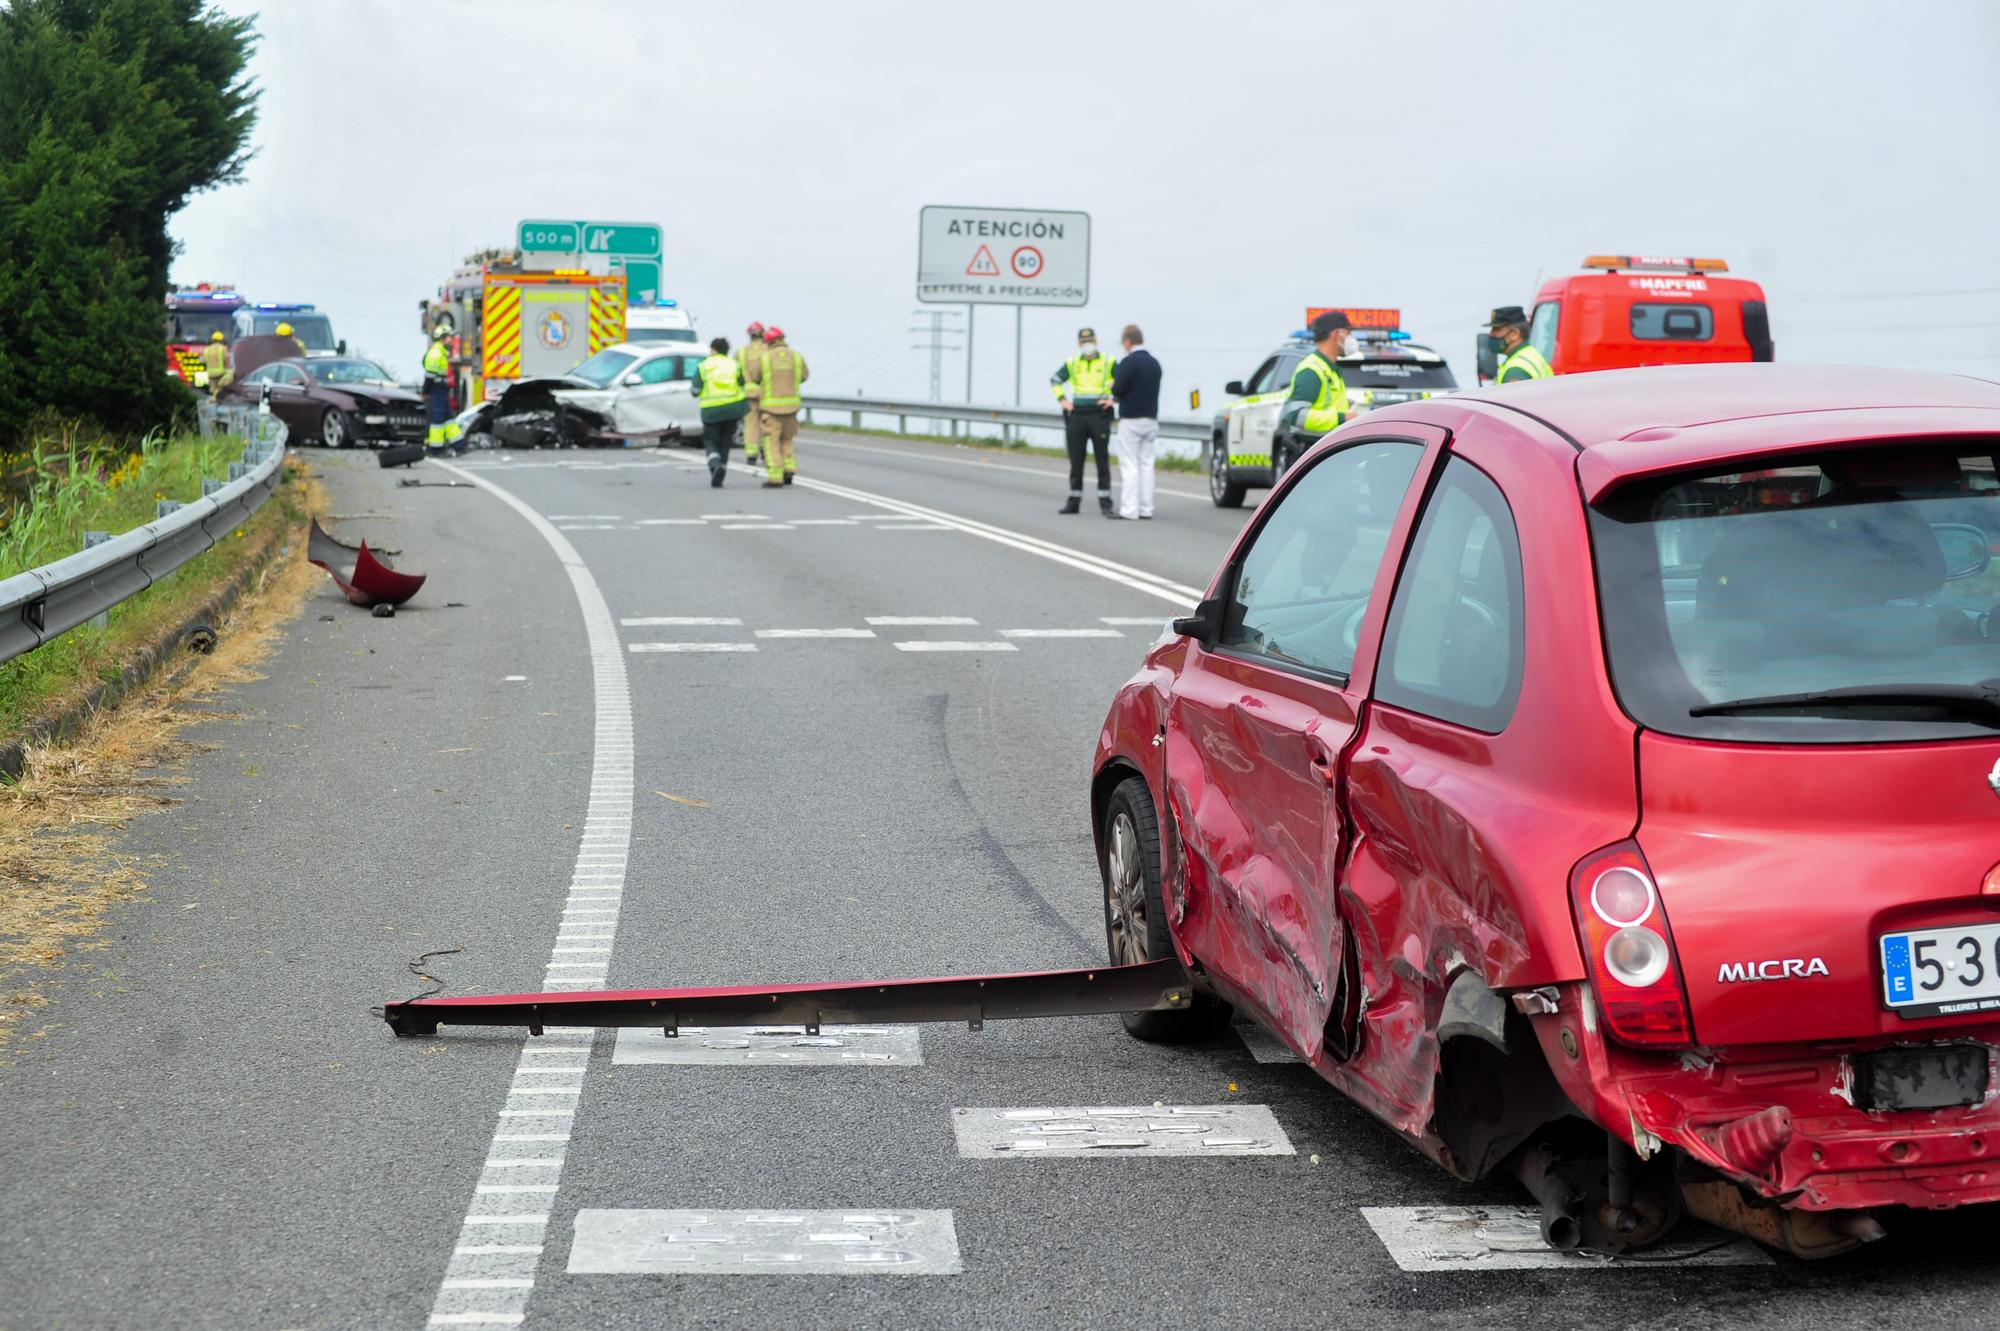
<point x="1598" y="780"/>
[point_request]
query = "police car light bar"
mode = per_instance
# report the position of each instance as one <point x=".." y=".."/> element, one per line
<point x="1649" y="263"/>
<point x="281" y="305"/>
<point x="1381" y="335"/>
<point x="1360" y="318"/>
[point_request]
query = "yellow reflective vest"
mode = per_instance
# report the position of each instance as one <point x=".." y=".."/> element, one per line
<point x="1330" y="407"/>
<point x="1088" y="378"/>
<point x="437" y="361"/>
<point x="721" y="382"/>
<point x="1526" y="362"/>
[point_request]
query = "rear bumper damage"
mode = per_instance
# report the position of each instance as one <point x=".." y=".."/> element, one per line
<point x="1786" y="1125"/>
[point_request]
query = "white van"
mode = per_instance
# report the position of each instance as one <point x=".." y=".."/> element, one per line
<point x="664" y="322"/>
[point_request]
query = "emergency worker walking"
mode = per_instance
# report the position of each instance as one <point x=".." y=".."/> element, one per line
<point x="779" y="375"/>
<point x="1083" y="386"/>
<point x="1318" y="401"/>
<point x="285" y="330"/>
<point x="751" y="352"/>
<point x="215" y="364"/>
<point x="1524" y="360"/>
<point x="723" y="403"/>
<point x="443" y="431"/>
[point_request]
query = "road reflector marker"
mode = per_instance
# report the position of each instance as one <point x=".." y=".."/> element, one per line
<point x="774" y="1046"/>
<point x="1178" y="1130"/>
<point x="846" y="1242"/>
<point x="1508" y="1238"/>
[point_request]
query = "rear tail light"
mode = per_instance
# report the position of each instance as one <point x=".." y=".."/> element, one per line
<point x="1629" y="948"/>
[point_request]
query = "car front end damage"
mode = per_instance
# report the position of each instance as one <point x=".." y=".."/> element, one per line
<point x="380" y="423"/>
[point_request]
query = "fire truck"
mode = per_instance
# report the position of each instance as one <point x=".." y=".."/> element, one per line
<point x="506" y="323"/>
<point x="194" y="316"/>
<point x="1626" y="309"/>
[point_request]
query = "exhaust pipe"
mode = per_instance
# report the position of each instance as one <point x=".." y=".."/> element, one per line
<point x="1540" y="1172"/>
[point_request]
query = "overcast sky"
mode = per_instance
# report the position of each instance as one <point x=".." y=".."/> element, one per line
<point x="1239" y="162"/>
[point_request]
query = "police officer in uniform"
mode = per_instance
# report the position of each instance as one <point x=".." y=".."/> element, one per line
<point x="1318" y="400"/>
<point x="1083" y="386"/>
<point x="1524" y="360"/>
<point x="723" y="403"/>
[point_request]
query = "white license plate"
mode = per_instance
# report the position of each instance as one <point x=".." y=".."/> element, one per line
<point x="1942" y="972"/>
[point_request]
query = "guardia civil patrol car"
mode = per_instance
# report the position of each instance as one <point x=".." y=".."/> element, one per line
<point x="1381" y="366"/>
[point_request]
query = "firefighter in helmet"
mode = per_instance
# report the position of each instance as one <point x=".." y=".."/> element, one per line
<point x="215" y="364"/>
<point x="748" y="357"/>
<point x="285" y="330"/>
<point x="779" y="376"/>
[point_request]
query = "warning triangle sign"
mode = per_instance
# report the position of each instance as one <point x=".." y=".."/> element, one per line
<point x="982" y="264"/>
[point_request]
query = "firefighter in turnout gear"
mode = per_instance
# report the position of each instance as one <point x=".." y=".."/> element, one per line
<point x="723" y="403"/>
<point x="778" y="376"/>
<point x="215" y="364"/>
<point x="752" y="352"/>
<point x="443" y="431"/>
<point x="1523" y="360"/>
<point x="1318" y="401"/>
<point x="1083" y="386"/>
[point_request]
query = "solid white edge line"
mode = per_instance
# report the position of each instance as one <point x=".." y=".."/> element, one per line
<point x="505" y="1281"/>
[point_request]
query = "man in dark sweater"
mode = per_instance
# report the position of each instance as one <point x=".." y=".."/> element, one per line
<point x="1136" y="386"/>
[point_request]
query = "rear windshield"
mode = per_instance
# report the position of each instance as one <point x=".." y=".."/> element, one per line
<point x="659" y="335"/>
<point x="1433" y="375"/>
<point x="1733" y="602"/>
<point x="1673" y="323"/>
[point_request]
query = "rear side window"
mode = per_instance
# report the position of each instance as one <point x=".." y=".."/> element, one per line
<point x="1453" y="645"/>
<point x="1542" y="332"/>
<point x="1303" y="587"/>
<point x="660" y="369"/>
<point x="1673" y="323"/>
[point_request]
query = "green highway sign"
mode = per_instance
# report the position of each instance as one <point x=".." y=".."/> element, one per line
<point x="642" y="279"/>
<point x="637" y="240"/>
<point x="554" y="237"/>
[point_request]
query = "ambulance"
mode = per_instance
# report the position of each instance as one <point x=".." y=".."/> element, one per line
<point x="1380" y="367"/>
<point x="1635" y="309"/>
<point x="505" y="323"/>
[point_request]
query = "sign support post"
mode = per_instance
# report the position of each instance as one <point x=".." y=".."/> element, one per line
<point x="1017" y="355"/>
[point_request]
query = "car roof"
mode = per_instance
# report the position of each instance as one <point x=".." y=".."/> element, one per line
<point x="1630" y="423"/>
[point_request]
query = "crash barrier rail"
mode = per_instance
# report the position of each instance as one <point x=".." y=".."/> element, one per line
<point x="45" y="602"/>
<point x="972" y="413"/>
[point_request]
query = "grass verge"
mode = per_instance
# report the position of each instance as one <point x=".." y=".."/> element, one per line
<point x="996" y="444"/>
<point x="60" y="870"/>
<point x="84" y="489"/>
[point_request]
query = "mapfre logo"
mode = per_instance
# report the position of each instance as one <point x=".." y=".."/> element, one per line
<point x="1778" y="968"/>
<point x="1669" y="283"/>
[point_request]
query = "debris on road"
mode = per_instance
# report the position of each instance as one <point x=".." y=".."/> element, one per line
<point x="363" y="577"/>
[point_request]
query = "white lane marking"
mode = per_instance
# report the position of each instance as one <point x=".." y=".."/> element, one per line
<point x="495" y="1162"/>
<point x="587" y="526"/>
<point x="477" y="1319"/>
<point x="693" y="646"/>
<point x="673" y="522"/>
<point x="956" y="647"/>
<point x="1119" y="1130"/>
<point x="755" y="526"/>
<point x="537" y="1113"/>
<point x="1138" y="579"/>
<point x="824" y="522"/>
<point x="1134" y="621"/>
<point x="679" y="622"/>
<point x="736" y="517"/>
<point x="916" y="621"/>
<point x="531" y="1137"/>
<point x="1060" y="633"/>
<point x="515" y="679"/>
<point x="608" y="813"/>
<point x="497" y="1249"/>
<point x="1508" y="1238"/>
<point x="583" y="517"/>
<point x="815" y="633"/>
<point x="1052" y="475"/>
<point x="852" y="1241"/>
<point x="1264" y="1046"/>
<point x="913" y="526"/>
<point x="481" y="1283"/>
<point x="784" y="1046"/>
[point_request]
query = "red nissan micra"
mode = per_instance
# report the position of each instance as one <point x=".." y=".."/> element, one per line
<point x="1598" y="779"/>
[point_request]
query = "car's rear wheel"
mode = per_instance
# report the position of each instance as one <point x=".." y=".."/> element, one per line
<point x="334" y="429"/>
<point x="1135" y="916"/>
<point x="1220" y="489"/>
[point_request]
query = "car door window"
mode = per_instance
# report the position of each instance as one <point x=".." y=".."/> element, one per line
<point x="261" y="375"/>
<point x="1301" y="590"/>
<point x="1260" y="380"/>
<point x="1281" y="373"/>
<point x="660" y="370"/>
<point x="288" y="375"/>
<point x="1453" y="645"/>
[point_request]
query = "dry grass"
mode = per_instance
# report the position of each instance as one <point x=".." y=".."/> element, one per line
<point x="61" y="871"/>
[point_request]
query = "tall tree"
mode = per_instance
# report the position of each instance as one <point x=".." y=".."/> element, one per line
<point x="113" y="113"/>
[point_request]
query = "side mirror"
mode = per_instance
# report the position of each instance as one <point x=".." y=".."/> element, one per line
<point x="1967" y="549"/>
<point x="1203" y="625"/>
<point x="631" y="380"/>
<point x="1234" y="388"/>
<point x="340" y="347"/>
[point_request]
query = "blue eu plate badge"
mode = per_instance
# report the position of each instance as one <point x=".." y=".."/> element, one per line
<point x="1896" y="968"/>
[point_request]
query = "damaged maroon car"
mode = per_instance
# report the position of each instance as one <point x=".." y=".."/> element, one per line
<point x="1598" y="780"/>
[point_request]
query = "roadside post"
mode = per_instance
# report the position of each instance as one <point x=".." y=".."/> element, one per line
<point x="93" y="538"/>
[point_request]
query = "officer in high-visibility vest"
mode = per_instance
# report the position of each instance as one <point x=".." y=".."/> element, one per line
<point x="215" y="364"/>
<point x="1318" y="400"/>
<point x="723" y="402"/>
<point x="443" y="431"/>
<point x="751" y="352"/>
<point x="779" y="375"/>
<point x="1083" y="386"/>
<point x="1523" y="359"/>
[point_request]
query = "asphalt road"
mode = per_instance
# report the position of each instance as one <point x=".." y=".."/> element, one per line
<point x="218" y="1133"/>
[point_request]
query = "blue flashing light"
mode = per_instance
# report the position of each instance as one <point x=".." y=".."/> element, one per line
<point x="667" y="304"/>
<point x="281" y="305"/>
<point x="1305" y="333"/>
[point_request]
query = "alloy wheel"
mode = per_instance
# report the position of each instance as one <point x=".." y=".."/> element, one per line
<point x="1125" y="893"/>
<point x="333" y="430"/>
<point x="1218" y="471"/>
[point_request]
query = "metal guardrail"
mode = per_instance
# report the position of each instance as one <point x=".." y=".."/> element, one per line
<point x="45" y="602"/>
<point x="972" y="413"/>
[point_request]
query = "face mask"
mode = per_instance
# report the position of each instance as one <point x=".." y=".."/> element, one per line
<point x="1087" y="349"/>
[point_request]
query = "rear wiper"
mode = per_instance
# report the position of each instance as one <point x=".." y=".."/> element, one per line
<point x="1974" y="702"/>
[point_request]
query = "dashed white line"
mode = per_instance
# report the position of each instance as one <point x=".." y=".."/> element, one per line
<point x="919" y="621"/>
<point x="1060" y="633"/>
<point x="679" y="622"/>
<point x="815" y="633"/>
<point x="692" y="646"/>
<point x="755" y="526"/>
<point x="1134" y="621"/>
<point x="956" y="647"/>
<point x="673" y="522"/>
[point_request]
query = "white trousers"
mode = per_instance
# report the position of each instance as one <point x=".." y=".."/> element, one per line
<point x="1137" y="441"/>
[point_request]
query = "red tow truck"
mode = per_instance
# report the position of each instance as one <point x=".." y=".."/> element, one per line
<point x="1627" y="310"/>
